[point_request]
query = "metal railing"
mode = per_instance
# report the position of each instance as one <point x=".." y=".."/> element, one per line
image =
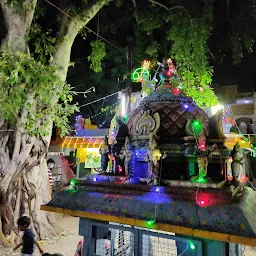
<point x="119" y="240"/>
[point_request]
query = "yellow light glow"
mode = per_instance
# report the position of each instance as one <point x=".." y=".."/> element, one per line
<point x="92" y="149"/>
<point x="215" y="109"/>
<point x="146" y="64"/>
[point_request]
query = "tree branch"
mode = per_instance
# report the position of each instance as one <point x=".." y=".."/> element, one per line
<point x="170" y="9"/>
<point x="69" y="30"/>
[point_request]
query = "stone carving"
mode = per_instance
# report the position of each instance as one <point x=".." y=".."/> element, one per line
<point x="237" y="165"/>
<point x="153" y="157"/>
<point x="127" y="157"/>
<point x="215" y="126"/>
<point x="202" y="158"/>
<point x="146" y="124"/>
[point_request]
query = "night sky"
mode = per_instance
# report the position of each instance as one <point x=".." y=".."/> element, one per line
<point x="225" y="73"/>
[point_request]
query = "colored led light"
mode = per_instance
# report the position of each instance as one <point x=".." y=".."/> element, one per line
<point x="185" y="106"/>
<point x="191" y="244"/>
<point x="197" y="127"/>
<point x="176" y="91"/>
<point x="72" y="182"/>
<point x="168" y="73"/>
<point x="120" y="169"/>
<point x="151" y="222"/>
<point x="157" y="189"/>
<point x="94" y="179"/>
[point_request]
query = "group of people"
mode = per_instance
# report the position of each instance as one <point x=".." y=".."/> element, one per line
<point x="28" y="239"/>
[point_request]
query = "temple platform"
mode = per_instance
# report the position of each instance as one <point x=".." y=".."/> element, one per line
<point x="208" y="213"/>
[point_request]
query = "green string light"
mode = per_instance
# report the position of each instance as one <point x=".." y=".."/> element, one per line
<point x="72" y="182"/>
<point x="151" y="223"/>
<point x="191" y="244"/>
<point x="197" y="127"/>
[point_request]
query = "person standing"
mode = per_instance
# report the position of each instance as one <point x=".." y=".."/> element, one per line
<point x="50" y="166"/>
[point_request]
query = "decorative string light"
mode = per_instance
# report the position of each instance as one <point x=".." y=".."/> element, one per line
<point x="176" y="91"/>
<point x="197" y="126"/>
<point x="151" y="223"/>
<point x="190" y="245"/>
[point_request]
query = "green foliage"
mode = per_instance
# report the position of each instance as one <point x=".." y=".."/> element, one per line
<point x="41" y="41"/>
<point x="97" y="55"/>
<point x="110" y="109"/>
<point x="189" y="39"/>
<point x="32" y="93"/>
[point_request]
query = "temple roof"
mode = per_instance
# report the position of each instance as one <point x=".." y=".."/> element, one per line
<point x="206" y="213"/>
<point x="174" y="111"/>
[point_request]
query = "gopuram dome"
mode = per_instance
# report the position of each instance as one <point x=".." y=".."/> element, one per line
<point x="173" y="111"/>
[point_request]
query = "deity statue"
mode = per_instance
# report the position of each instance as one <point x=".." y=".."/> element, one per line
<point x="153" y="157"/>
<point x="237" y="165"/>
<point x="127" y="156"/>
<point x="202" y="158"/>
<point x="215" y="126"/>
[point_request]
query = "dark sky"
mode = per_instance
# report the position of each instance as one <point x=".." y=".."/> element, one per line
<point x="243" y="74"/>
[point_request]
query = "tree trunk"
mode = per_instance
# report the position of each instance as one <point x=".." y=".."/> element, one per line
<point x="17" y="22"/>
<point x="68" y="31"/>
<point x="24" y="183"/>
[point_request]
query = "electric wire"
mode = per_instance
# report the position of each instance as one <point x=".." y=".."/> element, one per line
<point x="89" y="103"/>
<point x="184" y="250"/>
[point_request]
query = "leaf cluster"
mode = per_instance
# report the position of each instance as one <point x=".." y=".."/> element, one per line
<point x="189" y="37"/>
<point x="31" y="92"/>
<point x="97" y="54"/>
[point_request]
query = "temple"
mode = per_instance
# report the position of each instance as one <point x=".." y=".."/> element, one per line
<point x="171" y="178"/>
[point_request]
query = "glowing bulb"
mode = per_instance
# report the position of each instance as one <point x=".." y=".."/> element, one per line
<point x="168" y="73"/>
<point x="72" y="183"/>
<point x="201" y="179"/>
<point x="191" y="244"/>
<point x="176" y="91"/>
<point x="197" y="127"/>
<point x="151" y="222"/>
<point x="157" y="189"/>
<point x="185" y="106"/>
<point x="94" y="179"/>
<point x="120" y="169"/>
<point x="202" y="202"/>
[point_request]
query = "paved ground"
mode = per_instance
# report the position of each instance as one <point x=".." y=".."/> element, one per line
<point x="67" y="242"/>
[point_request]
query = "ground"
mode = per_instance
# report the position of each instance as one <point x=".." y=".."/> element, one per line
<point x="67" y="242"/>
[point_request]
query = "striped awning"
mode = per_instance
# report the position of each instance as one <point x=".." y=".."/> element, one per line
<point x="82" y="142"/>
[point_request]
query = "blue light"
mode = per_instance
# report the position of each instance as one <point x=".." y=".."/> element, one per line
<point x="157" y="189"/>
<point x="94" y="179"/>
<point x="185" y="106"/>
